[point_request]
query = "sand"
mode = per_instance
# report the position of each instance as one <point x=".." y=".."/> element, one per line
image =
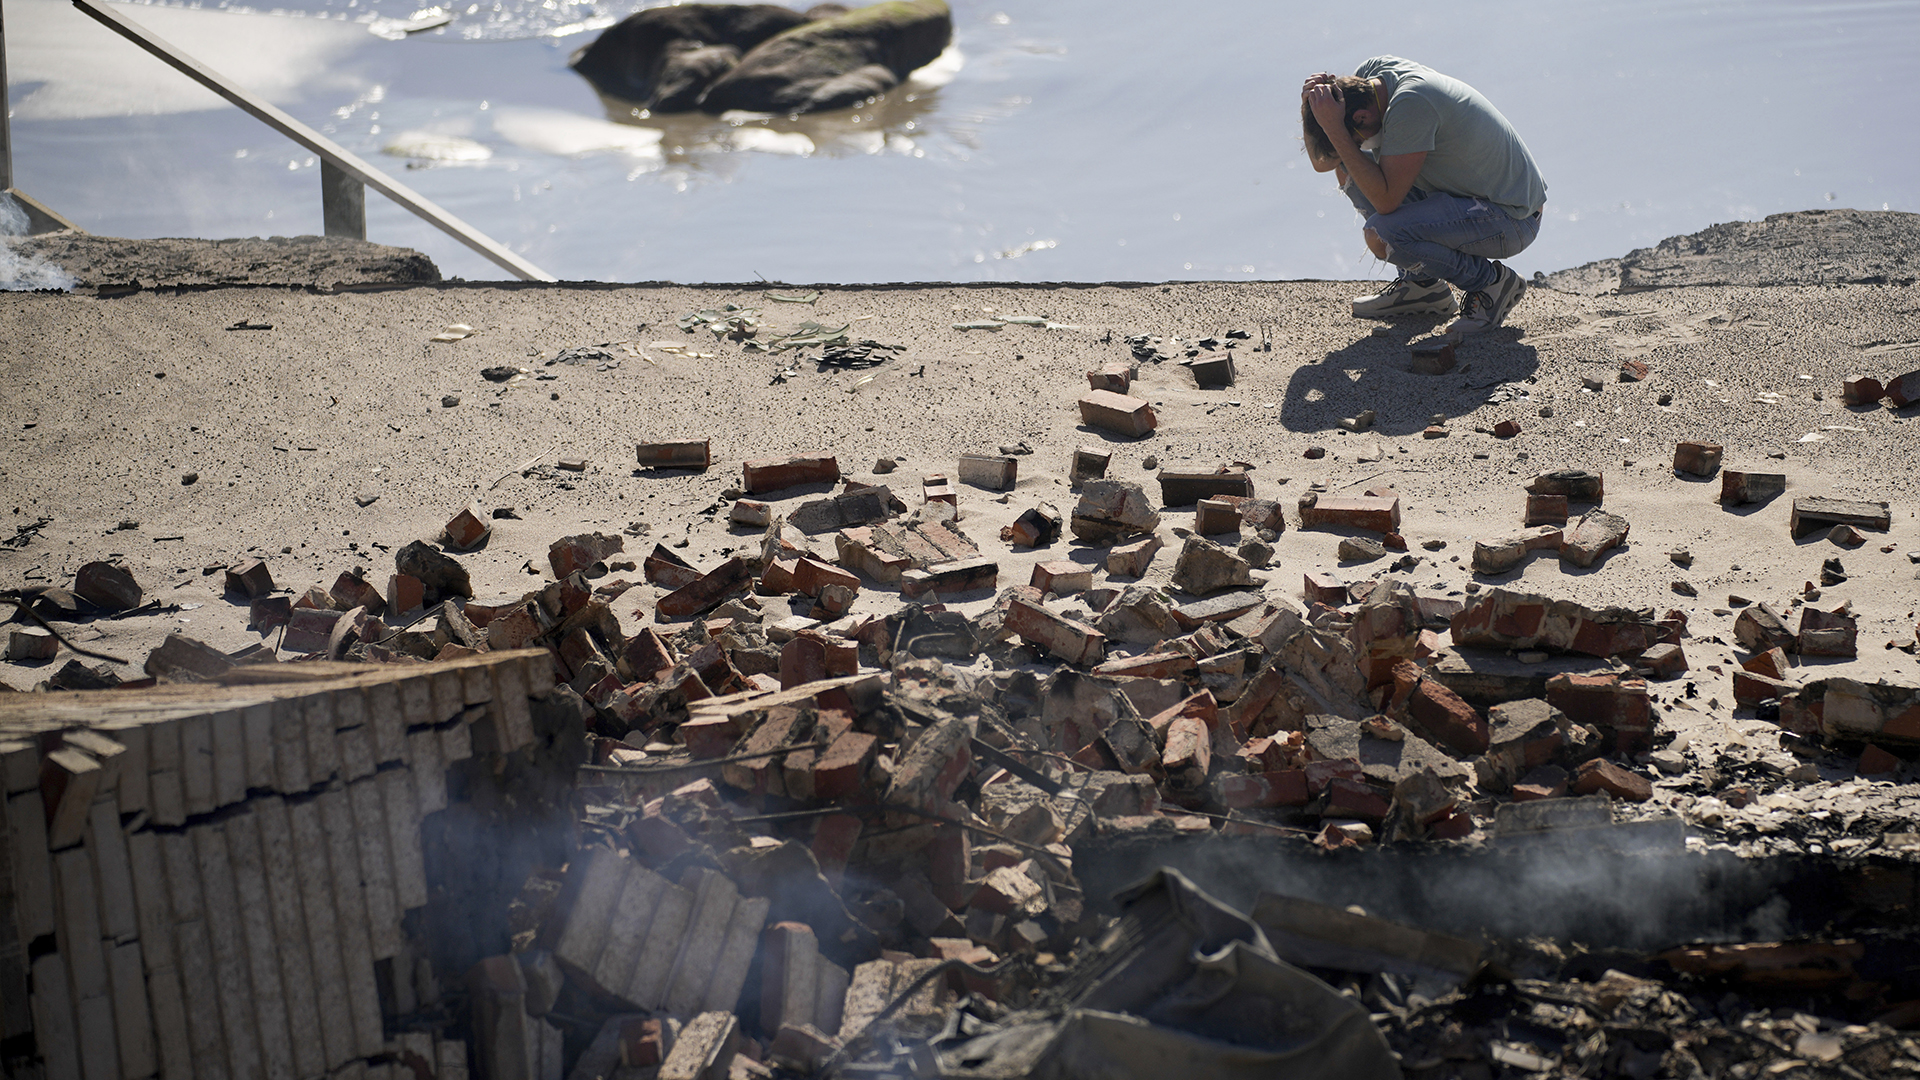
<point x="115" y="400"/>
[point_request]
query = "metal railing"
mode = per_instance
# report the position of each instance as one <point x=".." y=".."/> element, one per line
<point x="344" y="176"/>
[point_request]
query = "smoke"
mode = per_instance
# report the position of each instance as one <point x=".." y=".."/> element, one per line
<point x="1597" y="897"/>
<point x="24" y="271"/>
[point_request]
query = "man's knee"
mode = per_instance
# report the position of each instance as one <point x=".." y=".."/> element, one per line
<point x="1374" y="243"/>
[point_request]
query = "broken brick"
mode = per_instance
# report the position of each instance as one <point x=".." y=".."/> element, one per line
<point x="250" y="579"/>
<point x="467" y="530"/>
<point x="106" y="586"/>
<point x="1615" y="706"/>
<point x="1062" y="577"/>
<point x="1089" y="463"/>
<point x="1593" y="535"/>
<point x="1072" y="641"/>
<point x="751" y="513"/>
<point x="1814" y="514"/>
<point x="675" y="455"/>
<point x="811" y="575"/>
<point x="950" y="578"/>
<point x="582" y="553"/>
<point x="1132" y="560"/>
<point x="1862" y="390"/>
<point x="1772" y="663"/>
<point x="1325" y="589"/>
<point x="1182" y="487"/>
<point x="1121" y="414"/>
<point x="1696" y="458"/>
<point x="1115" y="377"/>
<point x="987" y="471"/>
<point x="1381" y="515"/>
<point x="1739" y="488"/>
<point x="1546" y="510"/>
<point x="1602" y="775"/>
<point x="1214" y="516"/>
<point x="772" y="474"/>
<point x="729" y="579"/>
<point x="1876" y="762"/>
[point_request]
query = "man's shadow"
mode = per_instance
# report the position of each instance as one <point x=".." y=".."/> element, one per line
<point x="1374" y="373"/>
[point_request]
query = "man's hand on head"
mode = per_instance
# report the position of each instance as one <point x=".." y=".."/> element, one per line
<point x="1318" y="78"/>
<point x="1327" y="108"/>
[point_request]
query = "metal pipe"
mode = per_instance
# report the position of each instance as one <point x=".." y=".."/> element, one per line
<point x="348" y="164"/>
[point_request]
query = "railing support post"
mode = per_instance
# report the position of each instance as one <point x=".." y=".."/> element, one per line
<point x="343" y="202"/>
<point x="6" y="138"/>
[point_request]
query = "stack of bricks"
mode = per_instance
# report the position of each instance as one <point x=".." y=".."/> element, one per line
<point x="210" y="880"/>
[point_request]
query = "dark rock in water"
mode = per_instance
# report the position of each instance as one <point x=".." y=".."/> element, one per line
<point x="664" y="58"/>
<point x="837" y="62"/>
<point x="763" y="58"/>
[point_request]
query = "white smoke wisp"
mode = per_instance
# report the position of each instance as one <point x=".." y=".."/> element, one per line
<point x="24" y="272"/>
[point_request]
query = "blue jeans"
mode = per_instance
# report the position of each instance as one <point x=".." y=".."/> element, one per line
<point x="1455" y="239"/>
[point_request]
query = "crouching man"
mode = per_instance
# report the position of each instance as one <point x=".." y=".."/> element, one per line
<point x="1446" y="184"/>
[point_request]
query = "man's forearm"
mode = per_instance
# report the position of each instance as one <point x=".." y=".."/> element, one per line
<point x="1363" y="169"/>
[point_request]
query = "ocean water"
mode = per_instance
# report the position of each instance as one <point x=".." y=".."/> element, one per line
<point x="1059" y="140"/>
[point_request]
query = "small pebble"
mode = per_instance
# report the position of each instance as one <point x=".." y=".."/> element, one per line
<point x="448" y="401"/>
<point x="189" y="478"/>
<point x="1150" y="462"/>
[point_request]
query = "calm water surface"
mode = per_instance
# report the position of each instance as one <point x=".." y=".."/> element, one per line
<point x="1061" y="140"/>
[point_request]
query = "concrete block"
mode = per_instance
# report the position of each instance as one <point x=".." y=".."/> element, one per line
<point x="351" y="913"/>
<point x="627" y="928"/>
<point x="402" y="811"/>
<point x="32" y="869"/>
<point x="376" y="867"/>
<point x="790" y="975"/>
<point x="704" y="1049"/>
<point x="69" y="779"/>
<point x="653" y="969"/>
<point x="714" y="898"/>
<point x="270" y="994"/>
<point x="313" y="877"/>
<point x="231" y="971"/>
<point x="55" y="1032"/>
<point x="737" y="954"/>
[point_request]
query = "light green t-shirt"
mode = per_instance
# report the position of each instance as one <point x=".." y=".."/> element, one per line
<point x="1471" y="149"/>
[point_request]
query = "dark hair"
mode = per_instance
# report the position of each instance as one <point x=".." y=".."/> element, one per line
<point x="1355" y="93"/>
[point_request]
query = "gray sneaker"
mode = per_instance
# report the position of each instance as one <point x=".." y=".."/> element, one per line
<point x="1486" y="310"/>
<point x="1405" y="297"/>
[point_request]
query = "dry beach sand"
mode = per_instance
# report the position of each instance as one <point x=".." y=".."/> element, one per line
<point x="115" y="398"/>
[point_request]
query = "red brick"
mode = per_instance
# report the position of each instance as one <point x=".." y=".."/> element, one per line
<point x="1544" y="782"/>
<point x="1457" y="825"/>
<point x="250" y="579"/>
<point x="1325" y="589"/>
<point x="647" y="655"/>
<point x="811" y="575"/>
<point x="1752" y="688"/>
<point x="266" y="612"/>
<point x="1214" y="516"/>
<point x="1696" y="458"/>
<point x="1862" y="390"/>
<point x="1633" y="371"/>
<point x="1506" y="429"/>
<point x="1616" y="706"/>
<point x="1116" y="377"/>
<point x="937" y="487"/>
<point x="1121" y="414"/>
<point x="466" y="530"/>
<point x="675" y="455"/>
<point x="1075" y="642"/>
<point x="1381" y="515"/>
<point x="1062" y="577"/>
<point x="1666" y="659"/>
<point x="1355" y="799"/>
<point x="772" y="474"/>
<point x="1449" y="720"/>
<point x="405" y="593"/>
<point x="834" y="837"/>
<point x="1876" y="762"/>
<point x="1546" y="510"/>
<point x="1189" y="751"/>
<point x="1603" y="775"/>
<point x="950" y="578"/>
<point x="709" y="737"/>
<point x="727" y="580"/>
<point x="840" y="771"/>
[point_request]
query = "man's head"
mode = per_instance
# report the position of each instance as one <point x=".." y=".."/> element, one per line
<point x="1362" y="114"/>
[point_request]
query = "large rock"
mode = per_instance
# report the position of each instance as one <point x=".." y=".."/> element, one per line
<point x="836" y="62"/>
<point x="665" y="58"/>
<point x="442" y="575"/>
<point x="1206" y="567"/>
